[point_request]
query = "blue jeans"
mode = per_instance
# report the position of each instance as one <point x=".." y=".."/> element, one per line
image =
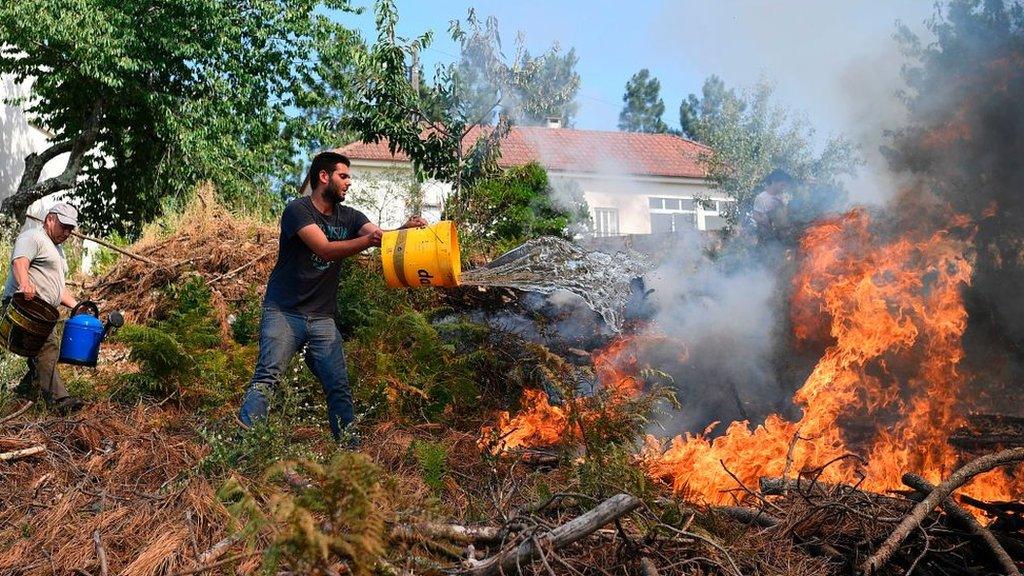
<point x="282" y="334"/>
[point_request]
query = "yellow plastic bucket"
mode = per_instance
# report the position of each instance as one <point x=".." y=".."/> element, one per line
<point x="414" y="257"/>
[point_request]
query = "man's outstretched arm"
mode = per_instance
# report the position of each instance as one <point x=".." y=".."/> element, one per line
<point x="412" y="222"/>
<point x="332" y="250"/>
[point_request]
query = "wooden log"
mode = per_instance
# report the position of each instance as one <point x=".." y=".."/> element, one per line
<point x="748" y="515"/>
<point x="965" y="519"/>
<point x="941" y="492"/>
<point x="455" y="532"/>
<point x="24" y="452"/>
<point x="577" y="528"/>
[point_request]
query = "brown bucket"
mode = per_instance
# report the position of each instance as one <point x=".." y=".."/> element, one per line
<point x="26" y="324"/>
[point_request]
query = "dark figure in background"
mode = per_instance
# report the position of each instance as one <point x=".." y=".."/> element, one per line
<point x="38" y="269"/>
<point x="317" y="232"/>
<point x="769" y="215"/>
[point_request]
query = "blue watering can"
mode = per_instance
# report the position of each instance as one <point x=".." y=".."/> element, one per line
<point x="83" y="333"/>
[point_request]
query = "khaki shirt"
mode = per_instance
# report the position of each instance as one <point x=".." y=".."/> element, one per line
<point x="47" y="266"/>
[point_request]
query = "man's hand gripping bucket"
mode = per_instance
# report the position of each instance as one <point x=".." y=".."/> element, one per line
<point x="414" y="257"/>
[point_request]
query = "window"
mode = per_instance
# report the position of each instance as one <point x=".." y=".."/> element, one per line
<point x="672" y="214"/>
<point x="678" y="214"/>
<point x="606" y="222"/>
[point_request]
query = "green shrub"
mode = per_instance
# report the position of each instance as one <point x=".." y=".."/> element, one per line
<point x="611" y="470"/>
<point x="340" y="515"/>
<point x="421" y="375"/>
<point x="432" y="460"/>
<point x="519" y="204"/>
<point x="246" y="326"/>
<point x="249" y="452"/>
<point x="182" y="356"/>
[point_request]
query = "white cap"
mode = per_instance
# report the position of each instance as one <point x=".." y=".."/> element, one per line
<point x="66" y="213"/>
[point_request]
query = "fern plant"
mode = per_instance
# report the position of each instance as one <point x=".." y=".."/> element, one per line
<point x="339" y="514"/>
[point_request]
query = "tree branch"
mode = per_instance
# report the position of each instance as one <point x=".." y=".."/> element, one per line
<point x="941" y="492"/>
<point x="964" y="518"/>
<point x="606" y="512"/>
<point x="31" y="189"/>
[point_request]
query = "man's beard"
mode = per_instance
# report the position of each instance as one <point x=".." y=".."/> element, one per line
<point x="337" y="193"/>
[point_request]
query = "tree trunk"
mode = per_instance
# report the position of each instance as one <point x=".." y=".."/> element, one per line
<point x="31" y="189"/>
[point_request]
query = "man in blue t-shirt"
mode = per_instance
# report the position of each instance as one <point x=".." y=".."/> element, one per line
<point x="317" y="233"/>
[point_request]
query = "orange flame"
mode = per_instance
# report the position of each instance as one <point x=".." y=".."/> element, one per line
<point x="894" y="316"/>
<point x="541" y="424"/>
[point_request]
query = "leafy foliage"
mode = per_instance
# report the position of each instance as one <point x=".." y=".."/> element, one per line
<point x="340" y="514"/>
<point x="643" y="106"/>
<point x="182" y="355"/>
<point x="751" y="136"/>
<point x="432" y="124"/>
<point x="403" y="356"/>
<point x="431" y="457"/>
<point x="169" y="94"/>
<point x="519" y="204"/>
<point x="546" y="85"/>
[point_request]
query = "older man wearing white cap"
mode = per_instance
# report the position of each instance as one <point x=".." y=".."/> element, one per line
<point x="38" y="269"/>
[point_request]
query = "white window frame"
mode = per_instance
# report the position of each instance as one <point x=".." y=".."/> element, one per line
<point x="699" y="212"/>
<point x="606" y="222"/>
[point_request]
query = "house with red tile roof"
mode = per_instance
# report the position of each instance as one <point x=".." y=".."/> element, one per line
<point x="633" y="183"/>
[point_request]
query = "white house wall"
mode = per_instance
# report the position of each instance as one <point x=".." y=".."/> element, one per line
<point x="629" y="196"/>
<point x="19" y="139"/>
<point x="380" y="190"/>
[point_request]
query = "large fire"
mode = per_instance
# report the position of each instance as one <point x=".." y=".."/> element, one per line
<point x="890" y="316"/>
<point x="894" y="316"/>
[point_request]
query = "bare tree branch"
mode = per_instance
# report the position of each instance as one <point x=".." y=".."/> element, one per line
<point x="31" y="189"/>
<point x="941" y="492"/>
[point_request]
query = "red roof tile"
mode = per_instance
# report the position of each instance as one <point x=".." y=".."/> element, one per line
<point x="569" y="150"/>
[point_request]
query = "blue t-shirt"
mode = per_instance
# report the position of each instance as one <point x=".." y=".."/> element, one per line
<point x="302" y="281"/>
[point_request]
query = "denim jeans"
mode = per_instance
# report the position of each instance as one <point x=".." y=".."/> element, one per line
<point x="282" y="334"/>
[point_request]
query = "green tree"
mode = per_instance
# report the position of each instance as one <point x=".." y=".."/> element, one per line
<point x="709" y="108"/>
<point x="150" y="97"/>
<point x="549" y="87"/>
<point x="545" y="85"/>
<point x="519" y="204"/>
<point x="750" y="135"/>
<point x="643" y="106"/>
<point x="430" y="124"/>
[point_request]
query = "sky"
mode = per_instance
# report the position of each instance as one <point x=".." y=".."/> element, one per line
<point x="808" y="49"/>
<point x="835" y="62"/>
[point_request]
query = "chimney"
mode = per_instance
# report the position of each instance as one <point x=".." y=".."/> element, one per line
<point x="554" y="121"/>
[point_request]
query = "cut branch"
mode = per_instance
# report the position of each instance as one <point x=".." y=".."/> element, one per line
<point x="965" y="519"/>
<point x="23" y="453"/>
<point x="453" y="532"/>
<point x="605" y="512"/>
<point x="941" y="492"/>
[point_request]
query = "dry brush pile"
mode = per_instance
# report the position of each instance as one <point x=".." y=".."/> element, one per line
<point x="233" y="254"/>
